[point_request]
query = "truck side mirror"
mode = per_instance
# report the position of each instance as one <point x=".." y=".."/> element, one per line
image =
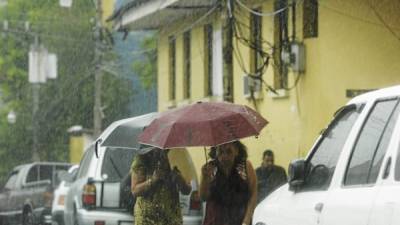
<point x="297" y="173"/>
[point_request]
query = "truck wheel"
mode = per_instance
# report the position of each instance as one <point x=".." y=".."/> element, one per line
<point x="27" y="218"/>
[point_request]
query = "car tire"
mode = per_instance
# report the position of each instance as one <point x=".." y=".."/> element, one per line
<point x="28" y="218"/>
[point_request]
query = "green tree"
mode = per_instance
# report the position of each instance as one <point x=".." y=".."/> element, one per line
<point x="146" y="68"/>
<point x="64" y="102"/>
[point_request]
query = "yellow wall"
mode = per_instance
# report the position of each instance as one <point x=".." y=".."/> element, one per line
<point x="108" y="8"/>
<point x="76" y="148"/>
<point x="353" y="50"/>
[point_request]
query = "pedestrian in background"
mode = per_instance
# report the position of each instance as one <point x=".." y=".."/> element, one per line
<point x="228" y="186"/>
<point x="269" y="176"/>
<point x="156" y="188"/>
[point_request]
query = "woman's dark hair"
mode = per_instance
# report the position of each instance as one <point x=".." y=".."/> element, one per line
<point x="242" y="151"/>
<point x="150" y="158"/>
<point x="213" y="152"/>
<point x="239" y="145"/>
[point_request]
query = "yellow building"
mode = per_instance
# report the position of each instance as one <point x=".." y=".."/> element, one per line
<point x="206" y="48"/>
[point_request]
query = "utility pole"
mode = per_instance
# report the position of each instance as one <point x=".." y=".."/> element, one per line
<point x="97" y="117"/>
<point x="35" y="109"/>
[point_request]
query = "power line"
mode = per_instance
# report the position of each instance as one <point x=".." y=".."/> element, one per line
<point x="209" y="12"/>
<point x="33" y="34"/>
<point x="80" y="24"/>
<point x="49" y="18"/>
<point x="263" y="14"/>
<point x="382" y="20"/>
<point x="256" y="47"/>
<point x="340" y="12"/>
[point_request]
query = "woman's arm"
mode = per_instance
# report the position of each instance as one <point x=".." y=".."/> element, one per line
<point x="251" y="205"/>
<point x="139" y="183"/>
<point x="206" y="177"/>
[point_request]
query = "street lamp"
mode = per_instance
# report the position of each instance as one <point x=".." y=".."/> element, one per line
<point x="11" y="117"/>
<point x="3" y="3"/>
<point x="66" y="3"/>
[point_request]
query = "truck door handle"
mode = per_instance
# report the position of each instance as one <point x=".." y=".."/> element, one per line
<point x="319" y="206"/>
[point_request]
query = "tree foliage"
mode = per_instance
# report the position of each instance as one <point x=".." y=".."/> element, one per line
<point x="146" y="68"/>
<point x="65" y="101"/>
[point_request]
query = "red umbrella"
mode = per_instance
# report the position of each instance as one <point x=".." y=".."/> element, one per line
<point x="202" y="124"/>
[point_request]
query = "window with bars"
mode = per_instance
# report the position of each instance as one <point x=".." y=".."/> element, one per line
<point x="228" y="62"/>
<point x="208" y="60"/>
<point x="172" y="68"/>
<point x="310" y="19"/>
<point x="186" y="65"/>
<point x="280" y="39"/>
<point x="256" y="58"/>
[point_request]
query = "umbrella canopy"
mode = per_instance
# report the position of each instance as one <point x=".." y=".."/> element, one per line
<point x="124" y="133"/>
<point x="202" y="124"/>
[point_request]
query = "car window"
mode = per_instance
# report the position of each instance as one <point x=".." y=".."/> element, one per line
<point x="45" y="172"/>
<point x="33" y="174"/>
<point x="12" y="180"/>
<point x="397" y="170"/>
<point x="85" y="162"/>
<point x="371" y="145"/>
<point x="380" y="152"/>
<point x="117" y="163"/>
<point x="322" y="162"/>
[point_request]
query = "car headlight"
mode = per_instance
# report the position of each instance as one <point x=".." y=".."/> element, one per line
<point x="260" y="223"/>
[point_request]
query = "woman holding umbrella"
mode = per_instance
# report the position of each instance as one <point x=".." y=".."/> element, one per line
<point x="156" y="188"/>
<point x="228" y="182"/>
<point x="228" y="185"/>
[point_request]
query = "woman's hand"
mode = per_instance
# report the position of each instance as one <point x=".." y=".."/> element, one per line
<point x="208" y="172"/>
<point x="241" y="170"/>
<point x="139" y="184"/>
<point x="158" y="175"/>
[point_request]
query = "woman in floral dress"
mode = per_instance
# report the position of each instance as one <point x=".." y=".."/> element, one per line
<point x="156" y="188"/>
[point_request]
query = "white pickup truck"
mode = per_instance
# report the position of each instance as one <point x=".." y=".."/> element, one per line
<point x="351" y="175"/>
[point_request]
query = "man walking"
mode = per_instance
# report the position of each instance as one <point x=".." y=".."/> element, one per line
<point x="269" y="176"/>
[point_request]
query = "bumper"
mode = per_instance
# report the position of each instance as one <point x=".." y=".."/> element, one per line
<point x="86" y="217"/>
<point x="192" y="220"/>
<point x="57" y="218"/>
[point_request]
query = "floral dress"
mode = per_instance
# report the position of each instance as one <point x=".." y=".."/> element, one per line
<point x="160" y="205"/>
